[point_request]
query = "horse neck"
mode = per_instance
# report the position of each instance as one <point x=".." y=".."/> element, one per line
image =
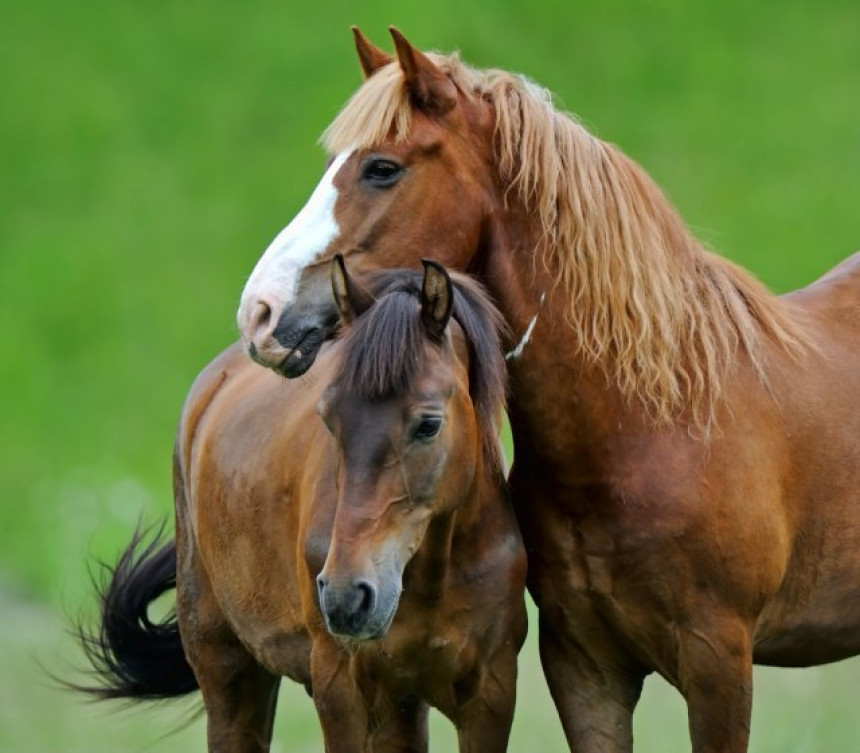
<point x="623" y="313"/>
<point x="619" y="238"/>
<point x="561" y="403"/>
<point x="510" y="269"/>
<point x="541" y="351"/>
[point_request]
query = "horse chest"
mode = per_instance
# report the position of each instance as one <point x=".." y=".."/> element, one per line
<point x="417" y="659"/>
<point x="588" y="543"/>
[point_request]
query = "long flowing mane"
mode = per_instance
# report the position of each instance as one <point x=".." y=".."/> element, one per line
<point x="660" y="315"/>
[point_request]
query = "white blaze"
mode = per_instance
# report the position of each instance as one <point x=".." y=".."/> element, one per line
<point x="275" y="278"/>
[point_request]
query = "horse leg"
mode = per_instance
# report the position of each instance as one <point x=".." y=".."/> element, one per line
<point x="595" y="695"/>
<point x="238" y="693"/>
<point x="715" y="676"/>
<point x="484" y="720"/>
<point x="404" y="729"/>
<point x="239" y="696"/>
<point x="340" y="706"/>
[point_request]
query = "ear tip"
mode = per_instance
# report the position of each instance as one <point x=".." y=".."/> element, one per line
<point x="433" y="264"/>
<point x="338" y="264"/>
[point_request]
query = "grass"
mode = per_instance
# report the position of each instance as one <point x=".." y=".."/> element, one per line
<point x="804" y="711"/>
<point x="149" y="153"/>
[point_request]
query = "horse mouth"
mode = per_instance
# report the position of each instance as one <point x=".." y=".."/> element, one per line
<point x="373" y="632"/>
<point x="302" y="354"/>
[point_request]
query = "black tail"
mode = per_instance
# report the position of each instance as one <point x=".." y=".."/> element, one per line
<point x="131" y="656"/>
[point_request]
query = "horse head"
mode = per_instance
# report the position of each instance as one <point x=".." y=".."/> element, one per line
<point x="411" y="169"/>
<point x="408" y="439"/>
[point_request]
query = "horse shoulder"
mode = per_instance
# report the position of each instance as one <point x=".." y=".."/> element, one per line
<point x="674" y="491"/>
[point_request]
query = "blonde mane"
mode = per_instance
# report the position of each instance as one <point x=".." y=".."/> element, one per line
<point x="662" y="317"/>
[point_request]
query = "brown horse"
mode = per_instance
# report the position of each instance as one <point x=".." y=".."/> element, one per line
<point x="372" y="556"/>
<point x="687" y="445"/>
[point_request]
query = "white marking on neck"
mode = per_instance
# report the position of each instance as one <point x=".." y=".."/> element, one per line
<point x="518" y="350"/>
<point x="276" y="275"/>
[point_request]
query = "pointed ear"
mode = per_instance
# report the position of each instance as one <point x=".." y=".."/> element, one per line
<point x="369" y="55"/>
<point x="350" y="298"/>
<point x="430" y="88"/>
<point x="437" y="298"/>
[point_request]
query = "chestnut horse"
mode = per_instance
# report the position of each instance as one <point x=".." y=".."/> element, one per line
<point x="687" y="445"/>
<point x="372" y="556"/>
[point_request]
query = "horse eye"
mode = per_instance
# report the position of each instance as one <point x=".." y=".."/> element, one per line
<point x="428" y="427"/>
<point x="382" y="172"/>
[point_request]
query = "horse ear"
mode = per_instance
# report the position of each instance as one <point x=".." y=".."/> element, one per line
<point x="350" y="298"/>
<point x="369" y="55"/>
<point x="430" y="88"/>
<point x="437" y="298"/>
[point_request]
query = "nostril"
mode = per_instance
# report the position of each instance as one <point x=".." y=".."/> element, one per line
<point x="367" y="600"/>
<point x="322" y="582"/>
<point x="261" y="317"/>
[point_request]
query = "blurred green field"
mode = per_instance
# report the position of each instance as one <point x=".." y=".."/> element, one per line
<point x="149" y="153"/>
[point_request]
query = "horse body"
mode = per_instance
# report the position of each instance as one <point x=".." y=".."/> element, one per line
<point x="372" y="556"/>
<point x="686" y="444"/>
<point x="639" y="536"/>
<point x="655" y="549"/>
<point x="239" y="424"/>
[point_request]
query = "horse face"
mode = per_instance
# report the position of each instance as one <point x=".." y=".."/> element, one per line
<point x="385" y="205"/>
<point x="403" y="462"/>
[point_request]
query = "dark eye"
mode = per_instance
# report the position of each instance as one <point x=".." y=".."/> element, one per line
<point x="382" y="172"/>
<point x="428" y="427"/>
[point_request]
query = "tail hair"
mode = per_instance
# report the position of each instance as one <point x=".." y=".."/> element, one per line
<point x="130" y="656"/>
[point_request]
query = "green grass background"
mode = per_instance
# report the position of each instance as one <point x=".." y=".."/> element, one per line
<point x="151" y="150"/>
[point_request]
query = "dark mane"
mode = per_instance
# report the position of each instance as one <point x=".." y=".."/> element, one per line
<point x="382" y="348"/>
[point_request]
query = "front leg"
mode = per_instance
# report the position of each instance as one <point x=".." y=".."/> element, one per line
<point x="484" y="720"/>
<point x="595" y="695"/>
<point x="404" y="729"/>
<point x="715" y="676"/>
<point x="340" y="706"/>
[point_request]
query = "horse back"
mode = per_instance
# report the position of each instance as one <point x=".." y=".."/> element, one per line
<point x="821" y="392"/>
<point x="203" y="390"/>
<point x="834" y="298"/>
<point x="250" y="413"/>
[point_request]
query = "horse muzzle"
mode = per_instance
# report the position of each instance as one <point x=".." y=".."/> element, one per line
<point x="357" y="608"/>
<point x="291" y="346"/>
